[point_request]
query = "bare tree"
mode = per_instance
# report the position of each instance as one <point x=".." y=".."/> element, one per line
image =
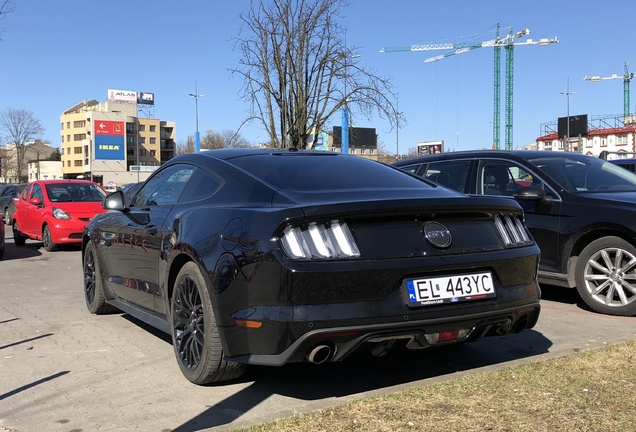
<point x="212" y="140"/>
<point x="298" y="71"/>
<point x="234" y="139"/>
<point x="227" y="139"/>
<point x="6" y="7"/>
<point x="21" y="128"/>
<point x="184" y="147"/>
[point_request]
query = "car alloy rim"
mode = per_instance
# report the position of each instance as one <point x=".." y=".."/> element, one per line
<point x="46" y="237"/>
<point x="89" y="276"/>
<point x="188" y="323"/>
<point x="610" y="277"/>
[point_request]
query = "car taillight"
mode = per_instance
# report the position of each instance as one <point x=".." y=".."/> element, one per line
<point x="512" y="230"/>
<point x="318" y="240"/>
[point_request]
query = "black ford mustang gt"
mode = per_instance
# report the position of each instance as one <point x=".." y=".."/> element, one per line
<point x="267" y="257"/>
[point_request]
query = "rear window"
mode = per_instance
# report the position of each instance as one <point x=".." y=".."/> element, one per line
<point x="312" y="172"/>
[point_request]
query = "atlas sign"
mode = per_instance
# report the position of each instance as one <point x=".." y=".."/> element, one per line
<point x="131" y="97"/>
<point x="122" y="96"/>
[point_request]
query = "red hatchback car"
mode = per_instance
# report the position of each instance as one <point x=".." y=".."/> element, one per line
<point x="56" y="211"/>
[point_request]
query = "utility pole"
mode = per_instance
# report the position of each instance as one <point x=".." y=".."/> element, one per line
<point x="567" y="137"/>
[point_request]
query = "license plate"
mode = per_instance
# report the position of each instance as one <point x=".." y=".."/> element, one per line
<point x="449" y="289"/>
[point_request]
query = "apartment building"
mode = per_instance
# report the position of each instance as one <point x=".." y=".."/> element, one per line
<point x="109" y="143"/>
<point x="612" y="134"/>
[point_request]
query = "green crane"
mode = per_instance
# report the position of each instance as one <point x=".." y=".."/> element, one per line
<point x="508" y="42"/>
<point x="627" y="77"/>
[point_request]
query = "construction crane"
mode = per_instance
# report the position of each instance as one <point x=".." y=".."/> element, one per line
<point x="627" y="77"/>
<point x="508" y="42"/>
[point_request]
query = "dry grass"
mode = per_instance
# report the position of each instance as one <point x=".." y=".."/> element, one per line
<point x="589" y="391"/>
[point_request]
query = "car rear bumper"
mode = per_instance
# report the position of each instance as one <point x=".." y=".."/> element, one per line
<point x="334" y="343"/>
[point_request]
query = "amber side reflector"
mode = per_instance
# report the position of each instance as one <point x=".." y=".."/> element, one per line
<point x="249" y="324"/>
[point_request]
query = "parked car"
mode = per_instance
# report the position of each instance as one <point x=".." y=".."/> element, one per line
<point x="622" y="159"/>
<point x="56" y="211"/>
<point x="581" y="211"/>
<point x="267" y="257"/>
<point x="8" y="197"/>
<point x="1" y="240"/>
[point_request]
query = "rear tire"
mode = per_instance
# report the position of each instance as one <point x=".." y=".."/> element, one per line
<point x="93" y="288"/>
<point x="195" y="335"/>
<point x="18" y="239"/>
<point x="606" y="276"/>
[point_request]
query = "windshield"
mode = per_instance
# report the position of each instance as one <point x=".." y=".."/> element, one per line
<point x="586" y="174"/>
<point x="74" y="192"/>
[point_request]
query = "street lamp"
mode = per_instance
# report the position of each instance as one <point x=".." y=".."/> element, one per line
<point x="196" y="96"/>
<point x="567" y="95"/>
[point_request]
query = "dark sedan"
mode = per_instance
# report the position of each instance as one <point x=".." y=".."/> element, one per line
<point x="581" y="211"/>
<point x="8" y="197"/>
<point x="268" y="257"/>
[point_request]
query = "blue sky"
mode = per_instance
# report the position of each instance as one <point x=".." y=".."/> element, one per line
<point x="55" y="54"/>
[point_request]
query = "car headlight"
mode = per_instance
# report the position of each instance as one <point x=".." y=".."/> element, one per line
<point x="328" y="240"/>
<point x="58" y="213"/>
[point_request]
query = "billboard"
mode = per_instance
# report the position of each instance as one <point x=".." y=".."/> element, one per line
<point x="430" y="147"/>
<point x="109" y="140"/>
<point x="122" y="96"/>
<point x="578" y="126"/>
<point x="144" y="98"/>
<point x="358" y="137"/>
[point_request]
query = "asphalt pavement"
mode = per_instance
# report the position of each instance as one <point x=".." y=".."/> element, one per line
<point x="63" y="369"/>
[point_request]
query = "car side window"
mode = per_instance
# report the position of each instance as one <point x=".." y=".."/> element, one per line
<point x="37" y="193"/>
<point x="413" y="169"/>
<point x="504" y="178"/>
<point x="25" y="193"/>
<point x="165" y="187"/>
<point x="451" y="174"/>
<point x="201" y="185"/>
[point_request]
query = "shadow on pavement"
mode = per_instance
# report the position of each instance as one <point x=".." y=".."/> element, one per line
<point x="564" y="295"/>
<point x="361" y="373"/>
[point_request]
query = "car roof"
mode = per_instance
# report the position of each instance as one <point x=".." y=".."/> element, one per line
<point x="622" y="160"/>
<point x="65" y="181"/>
<point x="230" y="153"/>
<point x="514" y="154"/>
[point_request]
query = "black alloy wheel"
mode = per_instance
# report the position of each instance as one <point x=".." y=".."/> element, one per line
<point x="195" y="335"/>
<point x="93" y="289"/>
<point x="606" y="276"/>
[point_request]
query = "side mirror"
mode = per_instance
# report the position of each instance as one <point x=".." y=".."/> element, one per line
<point x="529" y="193"/>
<point x="114" y="201"/>
<point x="36" y="201"/>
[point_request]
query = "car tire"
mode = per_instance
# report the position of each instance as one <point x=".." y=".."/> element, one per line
<point x="606" y="276"/>
<point x="5" y="217"/>
<point x="195" y="335"/>
<point x="18" y="238"/>
<point x="49" y="245"/>
<point x="93" y="288"/>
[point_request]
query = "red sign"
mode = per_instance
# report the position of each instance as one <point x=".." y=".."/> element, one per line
<point x="106" y="127"/>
